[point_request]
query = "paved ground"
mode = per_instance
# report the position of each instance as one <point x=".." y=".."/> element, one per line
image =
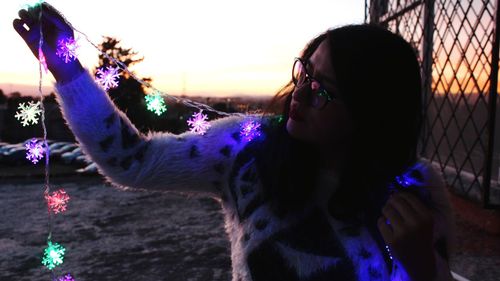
<point x="115" y="235"/>
<point x="478" y="249"/>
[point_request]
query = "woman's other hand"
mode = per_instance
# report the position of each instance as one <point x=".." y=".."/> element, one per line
<point x="409" y="234"/>
<point x="54" y="28"/>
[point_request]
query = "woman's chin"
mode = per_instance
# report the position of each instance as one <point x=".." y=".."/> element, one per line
<point x="295" y="129"/>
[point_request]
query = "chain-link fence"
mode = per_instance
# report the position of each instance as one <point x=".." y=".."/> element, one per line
<point x="457" y="46"/>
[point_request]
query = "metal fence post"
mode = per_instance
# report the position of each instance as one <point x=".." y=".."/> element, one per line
<point x="492" y="102"/>
<point x="427" y="62"/>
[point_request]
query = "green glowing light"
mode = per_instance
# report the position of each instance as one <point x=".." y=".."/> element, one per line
<point x="155" y="103"/>
<point x="29" y="4"/>
<point x="53" y="255"/>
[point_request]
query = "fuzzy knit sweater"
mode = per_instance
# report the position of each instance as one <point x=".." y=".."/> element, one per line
<point x="264" y="247"/>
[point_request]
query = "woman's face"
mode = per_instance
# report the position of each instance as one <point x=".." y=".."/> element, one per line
<point x="330" y="125"/>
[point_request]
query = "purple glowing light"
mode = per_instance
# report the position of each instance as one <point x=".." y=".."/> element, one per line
<point x="108" y="77"/>
<point x="199" y="123"/>
<point x="250" y="130"/>
<point x="66" y="49"/>
<point x="34" y="150"/>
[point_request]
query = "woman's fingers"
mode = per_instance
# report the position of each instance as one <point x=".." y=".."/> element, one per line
<point x="29" y="36"/>
<point x="385" y="230"/>
<point x="394" y="217"/>
<point x="26" y="17"/>
<point x="404" y="208"/>
<point x="415" y="203"/>
<point x="53" y="16"/>
<point x="19" y="27"/>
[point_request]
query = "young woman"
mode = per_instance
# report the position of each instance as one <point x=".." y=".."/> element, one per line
<point x="308" y="199"/>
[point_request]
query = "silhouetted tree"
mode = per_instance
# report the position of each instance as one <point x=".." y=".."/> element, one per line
<point x="129" y="95"/>
<point x="15" y="95"/>
<point x="3" y="97"/>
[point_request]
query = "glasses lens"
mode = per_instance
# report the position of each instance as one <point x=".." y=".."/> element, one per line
<point x="298" y="73"/>
<point x="319" y="98"/>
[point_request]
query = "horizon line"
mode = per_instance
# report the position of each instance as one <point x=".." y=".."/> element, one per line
<point x="48" y="89"/>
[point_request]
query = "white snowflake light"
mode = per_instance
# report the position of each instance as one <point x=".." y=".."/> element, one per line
<point x="34" y="150"/>
<point x="155" y="103"/>
<point x="28" y="113"/>
<point x="108" y="78"/>
<point x="66" y="48"/>
<point x="199" y="123"/>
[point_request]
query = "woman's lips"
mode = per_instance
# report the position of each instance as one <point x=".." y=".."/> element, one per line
<point x="295" y="115"/>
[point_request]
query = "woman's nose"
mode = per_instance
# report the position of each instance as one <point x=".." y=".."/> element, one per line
<point x="301" y="92"/>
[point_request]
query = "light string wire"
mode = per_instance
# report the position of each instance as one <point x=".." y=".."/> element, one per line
<point x="45" y="143"/>
<point x="40" y="91"/>
<point x="187" y="102"/>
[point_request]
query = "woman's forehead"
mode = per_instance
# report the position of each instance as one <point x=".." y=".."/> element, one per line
<point x="319" y="64"/>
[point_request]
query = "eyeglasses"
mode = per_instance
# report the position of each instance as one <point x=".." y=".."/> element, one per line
<point x="319" y="96"/>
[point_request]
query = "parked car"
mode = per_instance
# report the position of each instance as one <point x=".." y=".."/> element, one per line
<point x="57" y="145"/>
<point x="56" y="153"/>
<point x="15" y="156"/>
<point x="69" y="157"/>
<point x="89" y="169"/>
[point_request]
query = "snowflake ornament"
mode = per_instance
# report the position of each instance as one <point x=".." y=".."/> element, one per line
<point x="41" y="57"/>
<point x="155" y="103"/>
<point x="108" y="77"/>
<point x="199" y="123"/>
<point x="34" y="150"/>
<point x="58" y="201"/>
<point x="66" y="277"/>
<point x="411" y="177"/>
<point x="250" y="130"/>
<point x="66" y="48"/>
<point x="28" y="113"/>
<point x="53" y="255"/>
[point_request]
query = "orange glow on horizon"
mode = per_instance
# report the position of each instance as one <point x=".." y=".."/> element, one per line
<point x="218" y="47"/>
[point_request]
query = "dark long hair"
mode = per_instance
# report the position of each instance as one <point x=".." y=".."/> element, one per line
<point x="378" y="77"/>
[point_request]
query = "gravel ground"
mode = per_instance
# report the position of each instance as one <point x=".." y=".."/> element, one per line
<point x="478" y="253"/>
<point x="115" y="235"/>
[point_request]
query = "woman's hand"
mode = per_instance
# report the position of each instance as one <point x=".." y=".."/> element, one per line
<point x="409" y="234"/>
<point x="54" y="28"/>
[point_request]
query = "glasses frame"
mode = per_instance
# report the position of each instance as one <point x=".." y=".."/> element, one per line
<point x="321" y="92"/>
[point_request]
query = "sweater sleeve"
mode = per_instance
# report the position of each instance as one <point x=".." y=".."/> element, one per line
<point x="158" y="161"/>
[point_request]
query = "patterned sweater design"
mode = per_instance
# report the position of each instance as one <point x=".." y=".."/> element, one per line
<point x="307" y="246"/>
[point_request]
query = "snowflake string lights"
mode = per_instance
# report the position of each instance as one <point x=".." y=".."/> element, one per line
<point x="199" y="123"/>
<point x="155" y="103"/>
<point x="108" y="78"/>
<point x="28" y="113"/>
<point x="411" y="177"/>
<point x="34" y="150"/>
<point x="250" y="130"/>
<point x="66" y="48"/>
<point x="58" y="201"/>
<point x="41" y="57"/>
<point x="66" y="277"/>
<point x="53" y="255"/>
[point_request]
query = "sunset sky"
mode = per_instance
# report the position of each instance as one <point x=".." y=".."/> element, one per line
<point x="216" y="48"/>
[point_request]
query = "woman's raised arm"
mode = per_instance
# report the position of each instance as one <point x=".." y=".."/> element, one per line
<point x="159" y="161"/>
